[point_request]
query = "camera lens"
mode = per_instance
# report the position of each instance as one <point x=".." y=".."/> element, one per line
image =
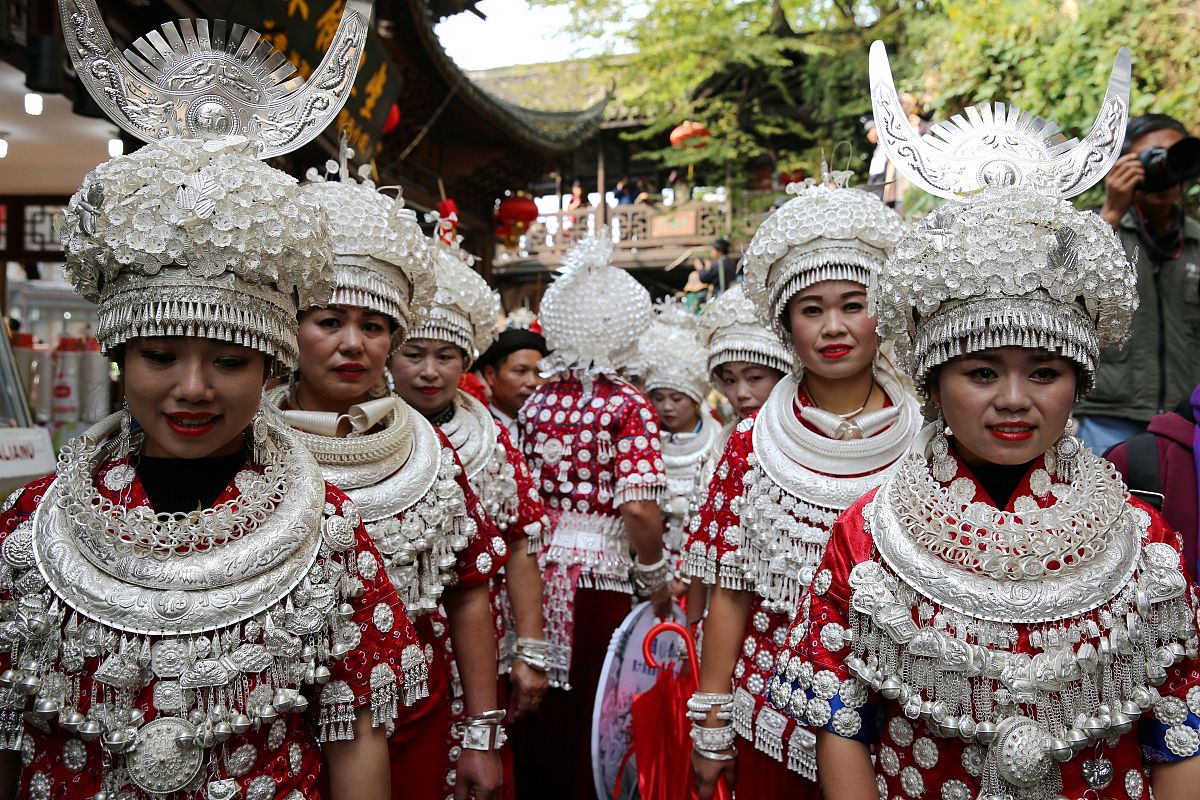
<point x="1166" y="168"/>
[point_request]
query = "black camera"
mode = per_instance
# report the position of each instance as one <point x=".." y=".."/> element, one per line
<point x="1167" y="167"/>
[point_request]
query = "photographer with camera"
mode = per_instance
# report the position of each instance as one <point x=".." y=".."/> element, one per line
<point x="1161" y="364"/>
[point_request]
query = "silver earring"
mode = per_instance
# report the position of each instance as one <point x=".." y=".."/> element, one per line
<point x="942" y="466"/>
<point x="1067" y="451"/>
<point x="258" y="435"/>
<point x="125" y="436"/>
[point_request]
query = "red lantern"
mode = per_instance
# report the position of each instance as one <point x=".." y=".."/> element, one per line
<point x="393" y="119"/>
<point x="689" y="134"/>
<point x="514" y="214"/>
<point x="447" y="211"/>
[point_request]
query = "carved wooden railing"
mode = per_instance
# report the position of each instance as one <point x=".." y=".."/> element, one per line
<point x="643" y="235"/>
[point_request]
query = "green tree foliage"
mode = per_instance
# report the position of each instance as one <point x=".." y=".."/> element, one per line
<point x="780" y="81"/>
<point x="773" y="82"/>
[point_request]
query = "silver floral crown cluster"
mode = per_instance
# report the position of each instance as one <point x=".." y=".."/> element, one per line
<point x="193" y="234"/>
<point x="381" y="257"/>
<point x="593" y="313"/>
<point x="823" y="233"/>
<point x="670" y="354"/>
<point x="465" y="310"/>
<point x="731" y="330"/>
<point x="179" y="238"/>
<point x="1013" y="263"/>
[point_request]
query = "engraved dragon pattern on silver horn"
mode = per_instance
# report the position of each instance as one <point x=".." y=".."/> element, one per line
<point x="997" y="144"/>
<point x="198" y="79"/>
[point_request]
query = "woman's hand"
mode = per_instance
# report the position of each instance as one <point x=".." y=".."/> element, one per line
<point x="530" y="686"/>
<point x="706" y="772"/>
<point x="478" y="776"/>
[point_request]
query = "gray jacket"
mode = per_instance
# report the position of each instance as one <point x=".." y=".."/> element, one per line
<point x="1161" y="364"/>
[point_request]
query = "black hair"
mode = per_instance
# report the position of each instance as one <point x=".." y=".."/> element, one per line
<point x="721" y="245"/>
<point x="1149" y="123"/>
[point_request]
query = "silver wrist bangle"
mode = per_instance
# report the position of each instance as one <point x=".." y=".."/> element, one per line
<point x="534" y="652"/>
<point x="721" y="738"/>
<point x="484" y="731"/>
<point x="700" y="704"/>
<point x="649" y="578"/>
<point x="712" y="755"/>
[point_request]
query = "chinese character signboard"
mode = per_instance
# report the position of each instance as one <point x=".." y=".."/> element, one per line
<point x="302" y="30"/>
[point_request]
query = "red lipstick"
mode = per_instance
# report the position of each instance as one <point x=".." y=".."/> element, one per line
<point x="191" y="424"/>
<point x="351" y="369"/>
<point x="1018" y="431"/>
<point x="835" y="351"/>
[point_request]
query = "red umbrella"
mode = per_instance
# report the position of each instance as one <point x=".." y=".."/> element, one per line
<point x="661" y="739"/>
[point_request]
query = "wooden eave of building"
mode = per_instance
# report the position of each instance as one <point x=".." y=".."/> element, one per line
<point x="477" y="145"/>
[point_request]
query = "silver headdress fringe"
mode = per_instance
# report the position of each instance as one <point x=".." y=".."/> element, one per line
<point x="670" y="354"/>
<point x="732" y="332"/>
<point x="1009" y="265"/>
<point x="381" y="257"/>
<point x="986" y="323"/>
<point x="465" y="310"/>
<point x="179" y="304"/>
<point x="364" y="284"/>
<point x="823" y="233"/>
<point x="197" y="235"/>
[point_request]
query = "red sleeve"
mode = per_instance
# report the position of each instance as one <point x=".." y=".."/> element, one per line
<point x="713" y="549"/>
<point x="1186" y="673"/>
<point x="16" y="511"/>
<point x="486" y="550"/>
<point x="829" y="596"/>
<point x="639" y="464"/>
<point x="386" y="662"/>
<point x="812" y="683"/>
<point x="531" y="511"/>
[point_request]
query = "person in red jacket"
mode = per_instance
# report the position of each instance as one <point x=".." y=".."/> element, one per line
<point x="1160" y="465"/>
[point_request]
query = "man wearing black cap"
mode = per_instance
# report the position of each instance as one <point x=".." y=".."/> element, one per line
<point x="509" y="368"/>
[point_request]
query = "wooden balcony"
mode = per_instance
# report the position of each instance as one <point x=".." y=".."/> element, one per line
<point x="645" y="237"/>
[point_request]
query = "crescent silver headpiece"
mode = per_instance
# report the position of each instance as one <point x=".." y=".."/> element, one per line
<point x="194" y="80"/>
<point x="998" y="144"/>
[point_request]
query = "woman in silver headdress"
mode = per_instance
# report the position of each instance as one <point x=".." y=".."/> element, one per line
<point x="833" y="428"/>
<point x="671" y="361"/>
<point x="460" y="324"/>
<point x="186" y="611"/>
<point x="745" y="361"/>
<point x="1001" y="619"/>
<point x="439" y="547"/>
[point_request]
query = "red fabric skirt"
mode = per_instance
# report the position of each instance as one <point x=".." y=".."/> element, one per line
<point x="419" y="750"/>
<point x="760" y="777"/>
<point x="552" y="749"/>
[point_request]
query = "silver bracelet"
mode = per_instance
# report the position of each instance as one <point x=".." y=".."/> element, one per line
<point x="721" y="738"/>
<point x="649" y="578"/>
<point x="534" y="652"/>
<point x="701" y="703"/>
<point x="712" y="755"/>
<point x="484" y="731"/>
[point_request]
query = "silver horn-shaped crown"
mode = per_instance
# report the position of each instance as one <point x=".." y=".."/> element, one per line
<point x="999" y="145"/>
<point x="199" y="81"/>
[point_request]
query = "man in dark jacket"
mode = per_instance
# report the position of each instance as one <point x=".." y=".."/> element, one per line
<point x="721" y="272"/>
<point x="1161" y="363"/>
<point x="1162" y="461"/>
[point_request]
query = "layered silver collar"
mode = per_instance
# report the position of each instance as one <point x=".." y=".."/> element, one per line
<point x="820" y="470"/>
